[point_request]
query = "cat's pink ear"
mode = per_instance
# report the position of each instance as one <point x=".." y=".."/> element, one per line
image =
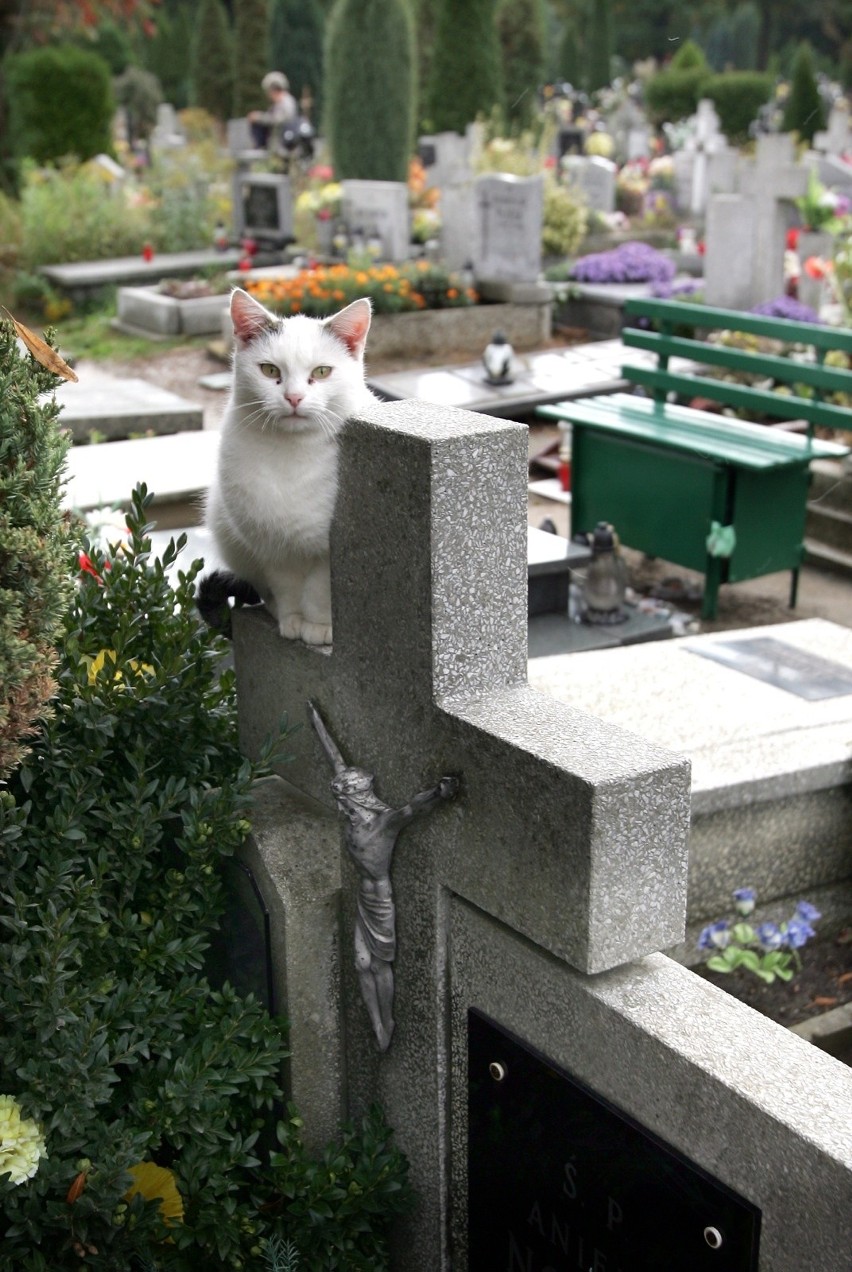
<point x="351" y="326"/>
<point x="249" y="317"/>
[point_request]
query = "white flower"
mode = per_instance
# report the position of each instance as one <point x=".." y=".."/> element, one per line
<point x="21" y="1142"/>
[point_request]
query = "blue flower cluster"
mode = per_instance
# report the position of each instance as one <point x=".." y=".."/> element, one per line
<point x="670" y="290"/>
<point x="787" y="307"/>
<point x="628" y="263"/>
<point x="792" y="935"/>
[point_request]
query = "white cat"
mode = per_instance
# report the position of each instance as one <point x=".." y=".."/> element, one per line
<point x="295" y="383"/>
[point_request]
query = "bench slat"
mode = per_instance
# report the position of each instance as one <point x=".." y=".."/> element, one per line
<point x="706" y="317"/>
<point x="677" y="428"/>
<point x="782" y="406"/>
<point x="829" y="379"/>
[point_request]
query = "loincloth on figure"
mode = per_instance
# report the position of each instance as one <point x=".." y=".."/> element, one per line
<point x="376" y="923"/>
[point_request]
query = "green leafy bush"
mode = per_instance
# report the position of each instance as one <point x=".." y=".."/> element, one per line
<point x="60" y="103"/>
<point x="466" y="77"/>
<point x="674" y="93"/>
<point x="738" y="96"/>
<point x="566" y="220"/>
<point x="148" y="1087"/>
<point x="34" y="586"/>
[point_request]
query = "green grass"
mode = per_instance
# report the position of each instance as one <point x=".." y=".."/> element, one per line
<point x="91" y="336"/>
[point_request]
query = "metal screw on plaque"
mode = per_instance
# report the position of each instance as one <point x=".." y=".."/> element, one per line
<point x="497" y="1070"/>
<point x="713" y="1237"/>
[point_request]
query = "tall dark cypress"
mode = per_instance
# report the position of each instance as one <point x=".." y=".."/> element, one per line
<point x="370" y="88"/>
<point x="521" y="26"/>
<point x="213" y="60"/>
<point x="251" y="54"/>
<point x="466" y="78"/>
<point x="296" y="37"/>
<point x="600" y="46"/>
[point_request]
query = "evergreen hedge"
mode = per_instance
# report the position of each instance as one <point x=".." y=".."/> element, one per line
<point x="674" y="93"/>
<point x="370" y="89"/>
<point x="738" y="96"/>
<point x="35" y="584"/>
<point x="599" y="61"/>
<point x="60" y="103"/>
<point x="466" y="77"/>
<point x="213" y="60"/>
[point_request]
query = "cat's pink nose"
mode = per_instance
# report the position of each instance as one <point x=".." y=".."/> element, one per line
<point x="294" y="399"/>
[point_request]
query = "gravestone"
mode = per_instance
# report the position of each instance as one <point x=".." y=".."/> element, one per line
<point x="723" y="172"/>
<point x="508" y="212"/>
<point x="562" y="855"/>
<point x="746" y="232"/>
<point x="168" y="133"/>
<point x="692" y="163"/>
<point x="379" y="209"/>
<point x="451" y="156"/>
<point x="594" y="177"/>
<point x="263" y="206"/>
<point x="836" y="139"/>
<point x="458" y="226"/>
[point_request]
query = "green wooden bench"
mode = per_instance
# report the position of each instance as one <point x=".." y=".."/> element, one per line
<point x="703" y="490"/>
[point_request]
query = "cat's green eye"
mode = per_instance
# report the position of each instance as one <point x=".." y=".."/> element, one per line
<point x="320" y="373"/>
<point x="270" y="370"/>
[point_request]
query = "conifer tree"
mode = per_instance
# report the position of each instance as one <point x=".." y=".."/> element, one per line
<point x="370" y="88"/>
<point x="521" y="26"/>
<point x="251" y="54"/>
<point x="569" y="62"/>
<point x="212" y="60"/>
<point x="599" y="72"/>
<point x="296" y="35"/>
<point x="803" y="111"/>
<point x="35" y="583"/>
<point x="466" y="77"/>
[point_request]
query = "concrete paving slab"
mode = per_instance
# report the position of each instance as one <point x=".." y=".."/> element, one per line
<point x="117" y="407"/>
<point x="747" y="739"/>
<point x="176" y="469"/>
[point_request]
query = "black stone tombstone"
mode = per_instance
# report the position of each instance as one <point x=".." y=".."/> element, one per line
<point x="559" y="1179"/>
<point x="241" y="950"/>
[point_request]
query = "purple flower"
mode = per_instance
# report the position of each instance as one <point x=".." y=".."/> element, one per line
<point x="787" y="307"/>
<point x="744" y="901"/>
<point x="770" y="936"/>
<point x="685" y="287"/>
<point x="715" y="936"/>
<point x="798" y="933"/>
<point x="628" y="263"/>
<point x="809" y="913"/>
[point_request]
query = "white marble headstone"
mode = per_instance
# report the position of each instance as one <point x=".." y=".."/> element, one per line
<point x="508" y="215"/>
<point x="379" y="208"/>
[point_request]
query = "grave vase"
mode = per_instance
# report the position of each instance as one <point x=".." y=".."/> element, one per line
<point x="814" y="245"/>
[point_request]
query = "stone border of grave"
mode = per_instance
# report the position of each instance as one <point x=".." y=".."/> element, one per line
<point x="146" y="311"/>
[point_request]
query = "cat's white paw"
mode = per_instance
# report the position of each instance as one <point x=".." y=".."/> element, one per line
<point x="290" y="626"/>
<point x="316" y="633"/>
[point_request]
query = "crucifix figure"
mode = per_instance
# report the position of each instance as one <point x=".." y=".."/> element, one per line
<point x="371" y="833"/>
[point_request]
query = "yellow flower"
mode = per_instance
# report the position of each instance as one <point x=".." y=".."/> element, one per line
<point x="155" y="1182"/>
<point x="21" y="1142"/>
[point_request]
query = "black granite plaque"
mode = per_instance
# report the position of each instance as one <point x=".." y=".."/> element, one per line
<point x="786" y="666"/>
<point x="261" y="209"/>
<point x="559" y="1179"/>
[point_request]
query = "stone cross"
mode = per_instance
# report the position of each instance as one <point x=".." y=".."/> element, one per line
<point x="567" y="830"/>
<point x="771" y="183"/>
<point x="707" y="140"/>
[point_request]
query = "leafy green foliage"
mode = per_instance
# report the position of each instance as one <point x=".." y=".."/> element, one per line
<point x="738" y="96"/>
<point x="565" y="222"/>
<point x="466" y="75"/>
<point x="599" y="73"/>
<point x="34" y="586"/>
<point x="370" y="86"/>
<point x="337" y="1209"/>
<point x="112" y="834"/>
<point x="60" y="103"/>
<point x="804" y="112"/>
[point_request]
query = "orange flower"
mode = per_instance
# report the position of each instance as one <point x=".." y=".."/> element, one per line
<point x="452" y="293"/>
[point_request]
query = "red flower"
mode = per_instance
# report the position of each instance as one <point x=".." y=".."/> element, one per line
<point x="817" y="267"/>
<point x="84" y="561"/>
<point x="793" y="238"/>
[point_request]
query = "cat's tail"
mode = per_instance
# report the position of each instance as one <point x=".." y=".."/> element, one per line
<point x="214" y="592"/>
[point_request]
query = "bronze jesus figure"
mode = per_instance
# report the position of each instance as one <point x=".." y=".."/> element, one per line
<point x="372" y="829"/>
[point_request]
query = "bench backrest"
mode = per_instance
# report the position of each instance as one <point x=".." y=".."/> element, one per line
<point x="670" y="342"/>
